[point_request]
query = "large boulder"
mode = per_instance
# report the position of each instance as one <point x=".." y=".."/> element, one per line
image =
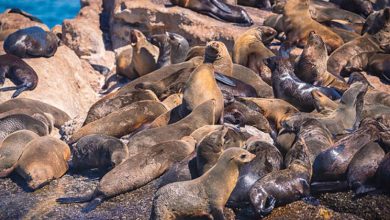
<point x="152" y="17"/>
<point x="63" y="82"/>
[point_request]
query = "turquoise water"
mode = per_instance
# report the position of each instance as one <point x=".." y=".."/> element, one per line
<point x="51" y="12"/>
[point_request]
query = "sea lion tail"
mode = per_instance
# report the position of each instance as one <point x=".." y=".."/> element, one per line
<point x="335" y="186"/>
<point x="92" y="205"/>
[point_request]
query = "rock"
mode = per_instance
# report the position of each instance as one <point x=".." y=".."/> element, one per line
<point x="152" y="17"/>
<point x="17" y="21"/>
<point x="62" y="83"/>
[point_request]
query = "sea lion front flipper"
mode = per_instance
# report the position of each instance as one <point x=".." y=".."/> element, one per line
<point x="92" y="205"/>
<point x="271" y="201"/>
<point x="80" y="199"/>
<point x="221" y="6"/>
<point x="223" y="79"/>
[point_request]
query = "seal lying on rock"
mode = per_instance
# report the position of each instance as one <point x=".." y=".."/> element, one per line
<point x="204" y="196"/>
<point x="16" y="122"/>
<point x="217" y="9"/>
<point x="98" y="151"/>
<point x="31" y="42"/>
<point x="372" y="62"/>
<point x="19" y="72"/>
<point x="43" y="160"/>
<point x="136" y="171"/>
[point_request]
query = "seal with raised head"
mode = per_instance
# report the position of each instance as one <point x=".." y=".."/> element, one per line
<point x="60" y="117"/>
<point x="136" y="171"/>
<point x="98" y="151"/>
<point x="12" y="147"/>
<point x="217" y="9"/>
<point x="19" y="72"/>
<point x="204" y="196"/>
<point x="44" y="159"/>
<point x="283" y="186"/>
<point x="31" y="42"/>
<point x="103" y="107"/>
<point x="311" y="66"/>
<point x="118" y="123"/>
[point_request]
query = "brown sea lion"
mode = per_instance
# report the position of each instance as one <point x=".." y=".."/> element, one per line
<point x="43" y="160"/>
<point x="372" y="62"/>
<point x="217" y="54"/>
<point x="19" y="72"/>
<point x="11" y="149"/>
<point x="298" y="24"/>
<point x="268" y="159"/>
<point x="118" y="123"/>
<point x="12" y="123"/>
<point x="311" y="66"/>
<point x="103" y="107"/>
<point x="332" y="164"/>
<point x="249" y="50"/>
<point x="204" y="196"/>
<point x="97" y="151"/>
<point x="123" y="60"/>
<point x="289" y="87"/>
<point x="195" y="51"/>
<point x="136" y="171"/>
<point x="363" y="7"/>
<point x="283" y="186"/>
<point x="323" y="104"/>
<point x="217" y="9"/>
<point x="375" y="40"/>
<point x="31" y="42"/>
<point x="249" y="77"/>
<point x="60" y="117"/>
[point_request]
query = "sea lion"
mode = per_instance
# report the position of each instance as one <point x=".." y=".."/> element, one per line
<point x="25" y="14"/>
<point x="298" y="24"/>
<point x="12" y="123"/>
<point x="311" y="66"/>
<point x="200" y="116"/>
<point x="372" y="62"/>
<point x="103" y="107"/>
<point x="43" y="160"/>
<point x="275" y="110"/>
<point x="195" y="51"/>
<point x="332" y="164"/>
<point x="98" y="151"/>
<point x="322" y="103"/>
<point x="60" y="117"/>
<point x="204" y="196"/>
<point x="118" y="123"/>
<point x="217" y="9"/>
<point x="123" y="60"/>
<point x="363" y="7"/>
<point x="268" y="159"/>
<point x="136" y="172"/>
<point x="162" y="43"/>
<point x="31" y="42"/>
<point x="283" y="186"/>
<point x="263" y="4"/>
<point x="239" y="114"/>
<point x="363" y="166"/>
<point x="383" y="174"/>
<point x="144" y="57"/>
<point x="12" y="147"/>
<point x="249" y="50"/>
<point x="289" y="87"/>
<point x="19" y="72"/>
<point x="375" y="40"/>
<point x="217" y="54"/>
<point x="173" y="48"/>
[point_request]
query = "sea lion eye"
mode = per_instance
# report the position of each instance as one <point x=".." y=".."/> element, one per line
<point x="243" y="156"/>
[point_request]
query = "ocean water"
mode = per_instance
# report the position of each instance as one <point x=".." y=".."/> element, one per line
<point x="51" y="12"/>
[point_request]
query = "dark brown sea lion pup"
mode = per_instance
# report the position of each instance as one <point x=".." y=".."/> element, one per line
<point x="283" y="186"/>
<point x="372" y="62"/>
<point x="17" y="122"/>
<point x="332" y="164"/>
<point x="377" y="40"/>
<point x="311" y="66"/>
<point x="298" y="24"/>
<point x="289" y="87"/>
<point x="12" y="147"/>
<point x="31" y="42"/>
<point x="60" y="117"/>
<point x="136" y="171"/>
<point x="98" y="151"/>
<point x="217" y="9"/>
<point x="204" y="196"/>
<point x="103" y="107"/>
<point x="122" y="121"/>
<point x="43" y="160"/>
<point x="268" y="159"/>
<point x="19" y="72"/>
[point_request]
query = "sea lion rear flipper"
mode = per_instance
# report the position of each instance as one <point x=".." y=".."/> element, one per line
<point x="80" y="199"/>
<point x="92" y="205"/>
<point x="221" y="6"/>
<point x="223" y="79"/>
<point x="271" y="201"/>
<point x="335" y="186"/>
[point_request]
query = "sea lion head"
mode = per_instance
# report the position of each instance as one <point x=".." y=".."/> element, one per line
<point x="179" y="44"/>
<point x="159" y="40"/>
<point x="316" y="41"/>
<point x="136" y="36"/>
<point x="365" y="7"/>
<point x="38" y="176"/>
<point x="214" y="51"/>
<point x="117" y="158"/>
<point x="358" y="77"/>
<point x="237" y="155"/>
<point x="267" y="34"/>
<point x="380" y="29"/>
